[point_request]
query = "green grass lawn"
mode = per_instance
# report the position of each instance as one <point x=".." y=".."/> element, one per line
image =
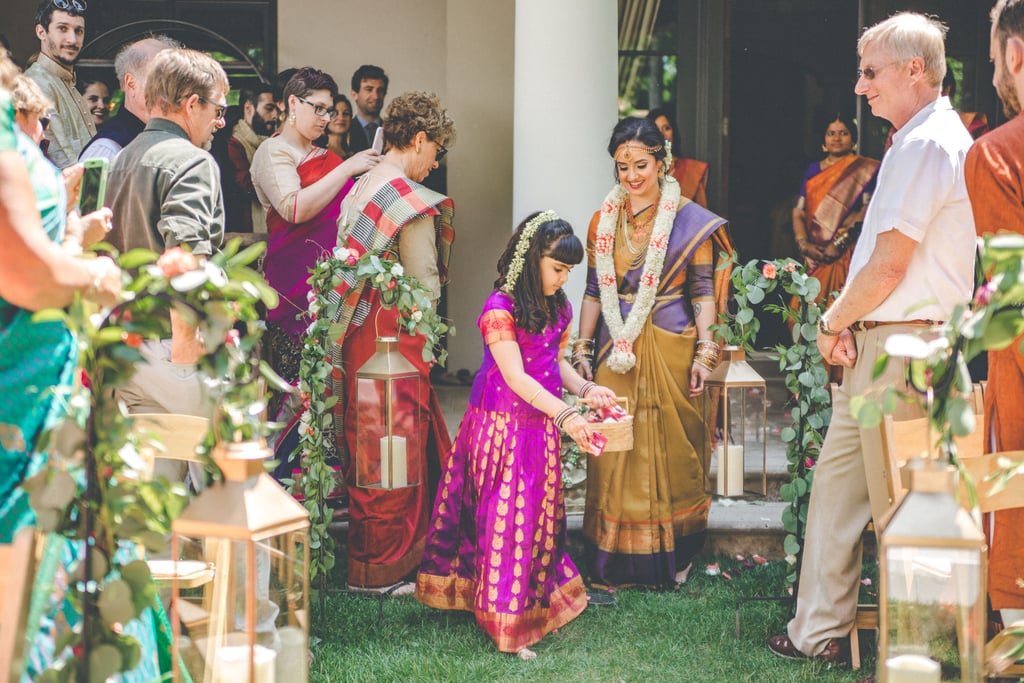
<point x="689" y="635"/>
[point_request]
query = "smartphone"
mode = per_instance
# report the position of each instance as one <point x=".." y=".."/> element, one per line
<point x="94" y="186"/>
<point x="378" y="140"/>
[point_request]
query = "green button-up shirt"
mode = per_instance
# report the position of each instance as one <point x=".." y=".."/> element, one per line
<point x="164" y="191"/>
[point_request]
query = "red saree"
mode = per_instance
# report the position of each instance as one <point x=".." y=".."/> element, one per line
<point x="292" y="249"/>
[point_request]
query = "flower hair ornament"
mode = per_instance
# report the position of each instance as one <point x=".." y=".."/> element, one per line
<point x="515" y="266"/>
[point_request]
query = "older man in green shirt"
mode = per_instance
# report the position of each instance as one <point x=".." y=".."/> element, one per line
<point x="166" y="192"/>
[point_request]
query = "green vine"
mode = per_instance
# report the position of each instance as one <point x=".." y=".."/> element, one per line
<point x="801" y="365"/>
<point x="96" y="492"/>
<point x="416" y="315"/>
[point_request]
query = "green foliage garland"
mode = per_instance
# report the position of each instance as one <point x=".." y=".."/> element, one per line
<point x="805" y="375"/>
<point x="416" y="315"/>
<point x="94" y="491"/>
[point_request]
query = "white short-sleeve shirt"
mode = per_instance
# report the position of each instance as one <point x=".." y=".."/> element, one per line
<point x="921" y="192"/>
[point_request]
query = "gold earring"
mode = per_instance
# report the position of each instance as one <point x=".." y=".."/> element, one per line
<point x="824" y="148"/>
<point x="291" y="118"/>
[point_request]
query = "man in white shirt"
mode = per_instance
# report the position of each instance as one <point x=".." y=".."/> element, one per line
<point x="913" y="263"/>
<point x="131" y="65"/>
<point x="60" y="27"/>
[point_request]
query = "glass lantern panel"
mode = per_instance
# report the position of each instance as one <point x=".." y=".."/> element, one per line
<point x="247" y="619"/>
<point x="389" y="432"/>
<point x="734" y="417"/>
<point x="932" y="596"/>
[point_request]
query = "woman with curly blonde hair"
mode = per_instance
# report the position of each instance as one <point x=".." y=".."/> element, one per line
<point x="389" y="210"/>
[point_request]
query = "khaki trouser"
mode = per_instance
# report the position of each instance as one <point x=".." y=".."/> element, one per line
<point x="849" y="490"/>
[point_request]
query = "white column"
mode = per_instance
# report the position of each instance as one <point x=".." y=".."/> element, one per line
<point x="566" y="81"/>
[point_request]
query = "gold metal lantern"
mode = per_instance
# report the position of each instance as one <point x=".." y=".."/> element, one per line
<point x="734" y="401"/>
<point x="389" y="422"/>
<point x="249" y="622"/>
<point x="932" y="584"/>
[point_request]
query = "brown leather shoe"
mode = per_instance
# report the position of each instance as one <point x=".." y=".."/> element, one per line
<point x="782" y="646"/>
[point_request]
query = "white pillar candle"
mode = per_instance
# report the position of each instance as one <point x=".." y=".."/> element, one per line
<point x="912" y="669"/>
<point x="730" y="467"/>
<point x="231" y="664"/>
<point x="292" y="663"/>
<point x="396" y="477"/>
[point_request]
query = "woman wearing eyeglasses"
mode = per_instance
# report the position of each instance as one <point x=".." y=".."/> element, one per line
<point x="833" y="198"/>
<point x="301" y="186"/>
<point x="388" y="209"/>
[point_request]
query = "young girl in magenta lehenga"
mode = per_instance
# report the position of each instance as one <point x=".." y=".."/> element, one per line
<point x="496" y="541"/>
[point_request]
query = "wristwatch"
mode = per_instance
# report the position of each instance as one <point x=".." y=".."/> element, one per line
<point x="824" y="329"/>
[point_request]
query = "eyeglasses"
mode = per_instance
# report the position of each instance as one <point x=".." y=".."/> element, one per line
<point x="869" y="72"/>
<point x="319" y="109"/>
<point x="77" y="5"/>
<point x="44" y="120"/>
<point x="441" y="151"/>
<point x="221" y="109"/>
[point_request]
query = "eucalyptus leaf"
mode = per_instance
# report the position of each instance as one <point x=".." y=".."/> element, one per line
<point x="115" y="602"/>
<point x="104" y="662"/>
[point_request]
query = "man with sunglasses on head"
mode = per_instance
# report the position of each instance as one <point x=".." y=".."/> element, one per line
<point x="165" y="191"/>
<point x="60" y="27"/>
<point x="913" y="263"/>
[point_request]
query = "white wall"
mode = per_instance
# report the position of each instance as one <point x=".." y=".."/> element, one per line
<point x="407" y="39"/>
<point x="565" y="109"/>
<point x="540" y="72"/>
<point x="480" y="71"/>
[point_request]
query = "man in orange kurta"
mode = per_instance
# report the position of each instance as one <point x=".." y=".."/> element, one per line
<point x="995" y="182"/>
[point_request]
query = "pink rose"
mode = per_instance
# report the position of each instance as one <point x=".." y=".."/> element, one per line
<point x="809" y="463"/>
<point x="608" y="207"/>
<point x="623" y="346"/>
<point x="176" y="261"/>
<point x="984" y="294"/>
<point x="768" y="271"/>
<point x="232" y="338"/>
<point x="789" y="267"/>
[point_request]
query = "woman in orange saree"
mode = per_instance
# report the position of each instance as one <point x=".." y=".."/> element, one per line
<point x="691" y="174"/>
<point x="832" y="202"/>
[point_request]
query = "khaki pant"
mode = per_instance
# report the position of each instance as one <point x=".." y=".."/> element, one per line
<point x="849" y="490"/>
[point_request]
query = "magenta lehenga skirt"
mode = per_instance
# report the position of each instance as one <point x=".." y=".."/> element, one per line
<point x="496" y="540"/>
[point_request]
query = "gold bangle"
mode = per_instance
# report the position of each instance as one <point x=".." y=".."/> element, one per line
<point x="539" y="389"/>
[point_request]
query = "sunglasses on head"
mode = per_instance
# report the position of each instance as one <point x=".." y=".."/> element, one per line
<point x="76" y="5"/>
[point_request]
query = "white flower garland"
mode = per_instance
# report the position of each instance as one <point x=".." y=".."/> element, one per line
<point x="622" y="358"/>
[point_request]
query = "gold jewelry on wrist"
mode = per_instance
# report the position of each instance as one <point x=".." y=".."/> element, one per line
<point x="585" y="389"/>
<point x="823" y="328"/>
<point x="708" y="354"/>
<point x="539" y="389"/>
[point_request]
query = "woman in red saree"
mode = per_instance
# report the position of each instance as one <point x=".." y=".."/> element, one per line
<point x="389" y="210"/>
<point x="302" y="187"/>
<point x="832" y="202"/>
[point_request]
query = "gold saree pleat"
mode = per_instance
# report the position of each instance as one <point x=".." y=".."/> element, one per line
<point x="643" y="508"/>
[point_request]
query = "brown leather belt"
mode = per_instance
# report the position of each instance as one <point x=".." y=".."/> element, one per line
<point x="862" y="325"/>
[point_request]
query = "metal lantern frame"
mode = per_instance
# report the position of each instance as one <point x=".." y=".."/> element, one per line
<point x="733" y="374"/>
<point x="386" y="454"/>
<point x="930" y="521"/>
<point x="249" y="509"/>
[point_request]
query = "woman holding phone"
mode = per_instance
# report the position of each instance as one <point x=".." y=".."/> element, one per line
<point x="301" y="186"/>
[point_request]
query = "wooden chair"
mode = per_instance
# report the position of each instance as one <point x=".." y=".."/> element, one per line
<point x="175" y="437"/>
<point x="902" y="440"/>
<point x="980" y="468"/>
<point x="17" y="570"/>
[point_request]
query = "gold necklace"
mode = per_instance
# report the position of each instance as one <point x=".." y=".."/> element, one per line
<point x="643" y="227"/>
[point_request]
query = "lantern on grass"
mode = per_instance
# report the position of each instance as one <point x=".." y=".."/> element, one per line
<point x="734" y="403"/>
<point x="249" y="623"/>
<point x="388" y="422"/>
<point x="932" y="616"/>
